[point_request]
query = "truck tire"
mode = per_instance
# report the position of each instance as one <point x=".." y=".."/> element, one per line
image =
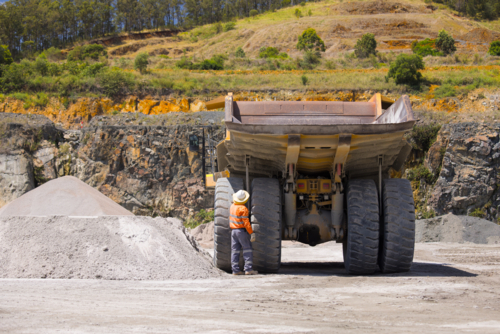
<point x="362" y="240"/>
<point x="224" y="190"/>
<point x="397" y="230"/>
<point x="266" y="216"/>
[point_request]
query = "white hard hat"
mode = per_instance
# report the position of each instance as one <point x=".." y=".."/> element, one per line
<point x="241" y="197"/>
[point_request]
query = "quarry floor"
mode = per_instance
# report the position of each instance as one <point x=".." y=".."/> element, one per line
<point x="451" y="288"/>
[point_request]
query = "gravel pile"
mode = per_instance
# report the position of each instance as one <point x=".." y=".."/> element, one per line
<point x="204" y="234"/>
<point x="460" y="229"/>
<point x="112" y="248"/>
<point x="65" y="196"/>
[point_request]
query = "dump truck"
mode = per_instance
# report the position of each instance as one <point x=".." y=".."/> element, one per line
<point x="318" y="172"/>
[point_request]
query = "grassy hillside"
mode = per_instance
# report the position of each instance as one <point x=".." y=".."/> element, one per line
<point x="339" y="24"/>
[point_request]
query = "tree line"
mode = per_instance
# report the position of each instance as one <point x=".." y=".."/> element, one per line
<point x="29" y="26"/>
<point x="478" y="9"/>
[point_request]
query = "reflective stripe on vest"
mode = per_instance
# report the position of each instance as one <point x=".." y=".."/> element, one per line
<point x="234" y="220"/>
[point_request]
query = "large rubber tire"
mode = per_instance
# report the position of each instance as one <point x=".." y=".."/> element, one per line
<point x="397" y="235"/>
<point x="224" y="190"/>
<point x="266" y="218"/>
<point x="362" y="241"/>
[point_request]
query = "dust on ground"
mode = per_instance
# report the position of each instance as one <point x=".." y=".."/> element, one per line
<point x="450" y="288"/>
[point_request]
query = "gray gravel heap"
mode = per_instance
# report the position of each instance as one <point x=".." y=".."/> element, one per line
<point x="460" y="229"/>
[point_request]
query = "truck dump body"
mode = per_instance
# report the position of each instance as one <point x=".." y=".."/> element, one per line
<point x="263" y="132"/>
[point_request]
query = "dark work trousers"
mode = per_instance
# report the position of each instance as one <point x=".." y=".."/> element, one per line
<point x="240" y="240"/>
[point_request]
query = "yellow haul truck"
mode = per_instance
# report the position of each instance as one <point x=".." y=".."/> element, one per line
<point x="317" y="172"/>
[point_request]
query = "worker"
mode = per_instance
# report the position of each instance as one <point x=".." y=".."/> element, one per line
<point x="241" y="234"/>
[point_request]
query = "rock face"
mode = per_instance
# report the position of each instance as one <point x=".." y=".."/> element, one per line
<point x="149" y="170"/>
<point x="469" y="177"/>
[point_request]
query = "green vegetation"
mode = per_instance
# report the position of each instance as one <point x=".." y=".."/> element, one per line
<point x="425" y="48"/>
<point x="298" y="13"/>
<point x="271" y="52"/>
<point x="202" y="217"/>
<point x="366" y="46"/>
<point x="239" y="53"/>
<point x="92" y="51"/>
<point x="423" y="136"/>
<point x="420" y="172"/>
<point x="304" y="80"/>
<point x="5" y="55"/>
<point x="477" y="9"/>
<point x="309" y="40"/>
<point x="141" y="62"/>
<point x="254" y="13"/>
<point x="405" y="70"/>
<point x="445" y="43"/>
<point x="478" y="212"/>
<point x="215" y="63"/>
<point x="494" y="48"/>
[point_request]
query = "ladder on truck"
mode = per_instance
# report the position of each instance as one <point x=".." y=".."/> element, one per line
<point x="209" y="156"/>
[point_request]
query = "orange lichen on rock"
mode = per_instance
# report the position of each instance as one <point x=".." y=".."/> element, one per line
<point x="146" y="106"/>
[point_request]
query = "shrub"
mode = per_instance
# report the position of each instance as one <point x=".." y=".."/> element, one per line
<point x="420" y="172"/>
<point x="184" y="63"/>
<point x="13" y="77"/>
<point x="141" y="62"/>
<point x="41" y="100"/>
<point x="423" y="136"/>
<point x="5" y="56"/>
<point x="425" y="48"/>
<point x="478" y="212"/>
<point x="309" y="40"/>
<point x="285" y="3"/>
<point x="405" y="70"/>
<point x="41" y="65"/>
<point x="272" y="52"/>
<point x="54" y="54"/>
<point x="202" y="217"/>
<point x="329" y="64"/>
<point x="312" y="58"/>
<point x="302" y="3"/>
<point x="366" y="46"/>
<point x="80" y="53"/>
<point x="445" y="43"/>
<point x="240" y="53"/>
<point x="309" y="13"/>
<point x="254" y="13"/>
<point x="93" y="70"/>
<point x="304" y="79"/>
<point x="445" y="90"/>
<point x="218" y="28"/>
<point x="114" y="82"/>
<point x="494" y="48"/>
<point x="229" y="26"/>
<point x="298" y="13"/>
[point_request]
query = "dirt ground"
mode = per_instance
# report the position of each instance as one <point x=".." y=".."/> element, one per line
<point x="451" y="288"/>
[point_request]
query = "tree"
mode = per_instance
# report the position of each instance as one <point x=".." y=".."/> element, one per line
<point x="298" y="13"/>
<point x="5" y="55"/>
<point x="445" y="43"/>
<point x="239" y="53"/>
<point x="309" y="40"/>
<point x="405" y="70"/>
<point x="494" y="48"/>
<point x="141" y="62"/>
<point x="366" y="46"/>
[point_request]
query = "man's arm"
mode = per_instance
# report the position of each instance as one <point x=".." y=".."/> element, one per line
<point x="246" y="221"/>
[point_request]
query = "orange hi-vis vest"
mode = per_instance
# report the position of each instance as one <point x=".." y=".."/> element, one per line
<point x="239" y="218"/>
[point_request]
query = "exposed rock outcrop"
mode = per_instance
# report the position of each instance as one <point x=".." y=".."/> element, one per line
<point x="149" y="170"/>
<point x="469" y="157"/>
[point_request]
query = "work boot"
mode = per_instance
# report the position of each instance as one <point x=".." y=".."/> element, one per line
<point x="251" y="272"/>
<point x="236" y="273"/>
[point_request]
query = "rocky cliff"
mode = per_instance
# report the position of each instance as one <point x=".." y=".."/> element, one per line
<point x="466" y="158"/>
<point x="149" y="169"/>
